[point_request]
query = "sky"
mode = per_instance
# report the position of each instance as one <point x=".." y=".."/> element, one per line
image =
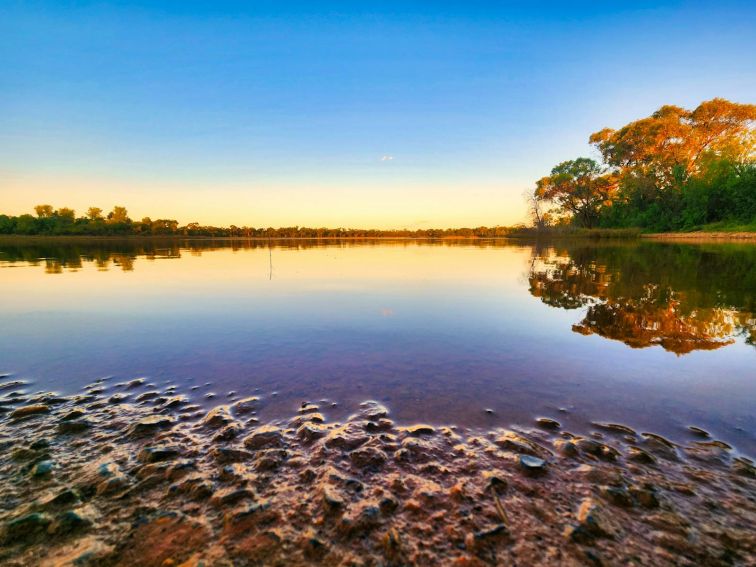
<point x="339" y="114"/>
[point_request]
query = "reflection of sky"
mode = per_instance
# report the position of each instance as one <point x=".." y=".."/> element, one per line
<point x="438" y="332"/>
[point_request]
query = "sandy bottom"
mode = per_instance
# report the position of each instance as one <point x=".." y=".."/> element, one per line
<point x="125" y="474"/>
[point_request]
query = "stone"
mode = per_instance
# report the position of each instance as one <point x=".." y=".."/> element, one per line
<point x="63" y="498"/>
<point x="548" y="423"/>
<point x="229" y="498"/>
<point x="26" y="527"/>
<point x="638" y="455"/>
<point x="495" y="479"/>
<point x="150" y="425"/>
<point x="616" y="428"/>
<point x="217" y="417"/>
<point x="75" y="413"/>
<point x="228" y="433"/>
<point x="373" y="410"/>
<point x="383" y="424"/>
<point x="74" y="426"/>
<point x="660" y="446"/>
<point x="512" y="441"/>
<point x="591" y="523"/>
<point x="332" y="500"/>
<point x="175" y="402"/>
<point x="597" y="449"/>
<point x="308" y="408"/>
<point x="246" y="405"/>
<point x="29" y="411"/>
<point x="265" y="436"/>
<point x="158" y="454"/>
<point x="11" y="384"/>
<point x="135" y="383"/>
<point x="146" y="396"/>
<point x="112" y="485"/>
<point x="499" y="530"/>
<point x="309" y="432"/>
<point x="617" y="495"/>
<point x="42" y="469"/>
<point x="230" y="455"/>
<point x="566" y="447"/>
<point x="69" y="521"/>
<point x="368" y="458"/>
<point x="698" y="432"/>
<point x="196" y="488"/>
<point x="418" y="430"/>
<point x="645" y="496"/>
<point x="532" y="464"/>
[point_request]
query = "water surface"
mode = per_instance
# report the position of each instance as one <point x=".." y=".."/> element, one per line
<point x="657" y="336"/>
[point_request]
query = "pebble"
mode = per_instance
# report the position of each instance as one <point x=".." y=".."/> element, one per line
<point x="75" y="413"/>
<point x="548" y="423"/>
<point x="26" y="527"/>
<point x="68" y="522"/>
<point x="158" y="454"/>
<point x="27" y="411"/>
<point x="42" y="468"/>
<point x="217" y="417"/>
<point x="368" y="458"/>
<point x="150" y="425"/>
<point x="265" y="436"/>
<point x="698" y="431"/>
<point x="591" y="523"/>
<point x="532" y="464"/>
<point x="75" y="426"/>
<point x="616" y="428"/>
<point x="617" y="495"/>
<point x="246" y="405"/>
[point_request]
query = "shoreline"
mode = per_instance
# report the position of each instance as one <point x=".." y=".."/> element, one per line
<point x="600" y="236"/>
<point x="739" y="236"/>
<point x="134" y="473"/>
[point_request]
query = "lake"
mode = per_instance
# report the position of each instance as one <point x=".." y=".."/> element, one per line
<point x="479" y="334"/>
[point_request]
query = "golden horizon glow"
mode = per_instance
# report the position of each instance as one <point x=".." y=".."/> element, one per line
<point x="371" y="206"/>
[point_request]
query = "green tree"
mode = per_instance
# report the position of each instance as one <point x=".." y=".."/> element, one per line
<point x="94" y="213"/>
<point x="580" y="187"/>
<point x="44" y="211"/>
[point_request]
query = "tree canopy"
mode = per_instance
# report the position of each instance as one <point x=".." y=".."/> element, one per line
<point x="675" y="169"/>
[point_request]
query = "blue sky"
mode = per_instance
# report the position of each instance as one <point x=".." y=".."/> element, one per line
<point x="253" y="113"/>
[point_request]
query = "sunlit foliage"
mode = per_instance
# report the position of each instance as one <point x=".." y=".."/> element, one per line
<point x="676" y="169"/>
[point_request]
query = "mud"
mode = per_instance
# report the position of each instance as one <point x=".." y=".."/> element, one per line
<point x="131" y="474"/>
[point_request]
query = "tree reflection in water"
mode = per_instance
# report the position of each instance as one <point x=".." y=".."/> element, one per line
<point x="681" y="297"/>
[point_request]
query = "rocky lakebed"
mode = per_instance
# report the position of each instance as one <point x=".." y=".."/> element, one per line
<point x="133" y="473"/>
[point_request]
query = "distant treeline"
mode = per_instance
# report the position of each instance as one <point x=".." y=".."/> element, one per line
<point x="677" y="169"/>
<point x="63" y="221"/>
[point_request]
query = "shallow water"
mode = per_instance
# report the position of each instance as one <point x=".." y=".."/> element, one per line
<point x="656" y="336"/>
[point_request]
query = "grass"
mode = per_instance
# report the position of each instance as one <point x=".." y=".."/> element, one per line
<point x="729" y="226"/>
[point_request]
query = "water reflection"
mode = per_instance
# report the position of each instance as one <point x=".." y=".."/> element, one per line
<point x="59" y="255"/>
<point x="438" y="330"/>
<point x="677" y="296"/>
<point x="680" y="297"/>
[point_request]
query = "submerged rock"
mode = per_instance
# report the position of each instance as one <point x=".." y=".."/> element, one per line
<point x="418" y="430"/>
<point x="25" y="528"/>
<point x="548" y="423"/>
<point x="150" y="425"/>
<point x="158" y="454"/>
<point x="218" y="417"/>
<point x="28" y="411"/>
<point x="265" y="436"/>
<point x="69" y="521"/>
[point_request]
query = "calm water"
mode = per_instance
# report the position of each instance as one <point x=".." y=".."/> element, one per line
<point x="656" y="336"/>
